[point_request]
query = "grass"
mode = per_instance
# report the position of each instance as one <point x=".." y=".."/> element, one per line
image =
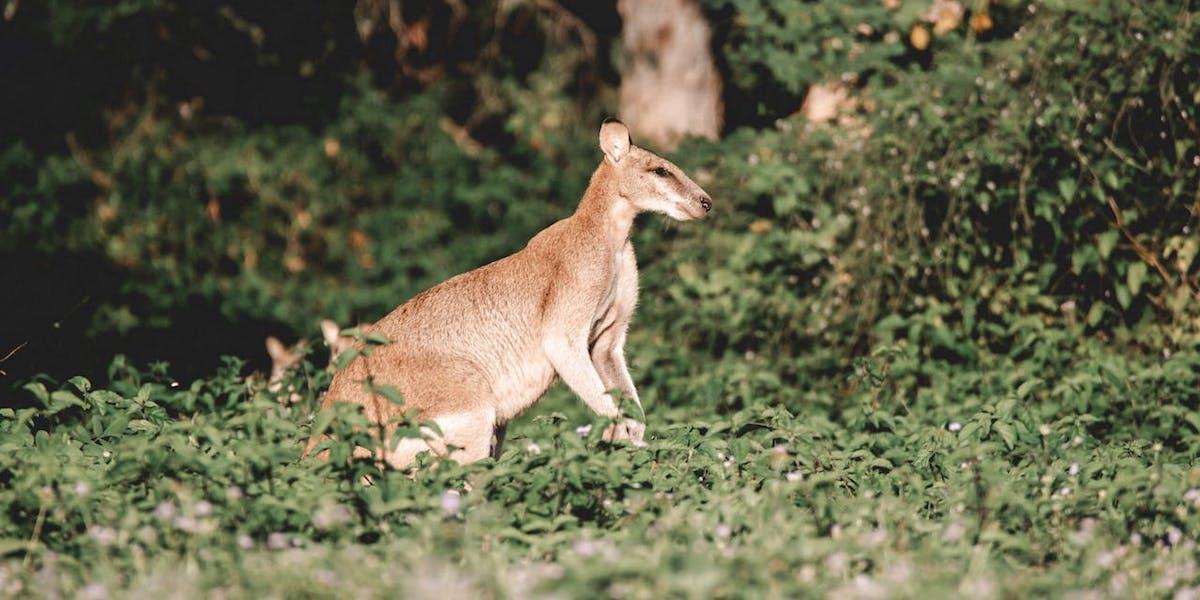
<point x="1012" y="479"/>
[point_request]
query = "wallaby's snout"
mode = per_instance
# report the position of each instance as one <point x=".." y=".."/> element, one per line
<point x="694" y="207"/>
<point x="705" y="203"/>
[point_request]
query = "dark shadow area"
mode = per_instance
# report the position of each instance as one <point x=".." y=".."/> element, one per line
<point x="47" y="309"/>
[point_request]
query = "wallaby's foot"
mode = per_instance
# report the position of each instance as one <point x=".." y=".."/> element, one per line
<point x="627" y="430"/>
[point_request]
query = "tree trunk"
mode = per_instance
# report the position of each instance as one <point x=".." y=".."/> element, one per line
<point x="670" y="88"/>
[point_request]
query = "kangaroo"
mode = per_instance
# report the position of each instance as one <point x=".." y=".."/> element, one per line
<point x="474" y="351"/>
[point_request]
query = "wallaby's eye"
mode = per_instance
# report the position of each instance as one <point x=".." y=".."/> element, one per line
<point x="661" y="172"/>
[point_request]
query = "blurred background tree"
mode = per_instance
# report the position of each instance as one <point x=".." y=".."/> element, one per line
<point x="179" y="181"/>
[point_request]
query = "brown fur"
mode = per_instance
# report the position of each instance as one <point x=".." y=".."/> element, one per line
<point x="476" y="350"/>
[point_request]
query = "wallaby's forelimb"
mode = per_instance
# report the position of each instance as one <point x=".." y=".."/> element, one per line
<point x="574" y="366"/>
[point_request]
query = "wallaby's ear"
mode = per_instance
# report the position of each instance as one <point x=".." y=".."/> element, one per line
<point x="330" y="331"/>
<point x="275" y="349"/>
<point x="614" y="140"/>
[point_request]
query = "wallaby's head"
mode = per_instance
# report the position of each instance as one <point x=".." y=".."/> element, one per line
<point x="648" y="181"/>
<point x="283" y="358"/>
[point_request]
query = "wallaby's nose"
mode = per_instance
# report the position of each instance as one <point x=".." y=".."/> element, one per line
<point x="706" y="202"/>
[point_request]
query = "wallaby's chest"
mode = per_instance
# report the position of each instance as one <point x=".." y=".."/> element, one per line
<point x="607" y="310"/>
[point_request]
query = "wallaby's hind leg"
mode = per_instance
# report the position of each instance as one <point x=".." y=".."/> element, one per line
<point x="501" y="430"/>
<point x="469" y="432"/>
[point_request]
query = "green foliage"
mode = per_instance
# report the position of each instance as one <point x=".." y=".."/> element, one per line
<point x="947" y="345"/>
<point x="1086" y="481"/>
<point x="1047" y="173"/>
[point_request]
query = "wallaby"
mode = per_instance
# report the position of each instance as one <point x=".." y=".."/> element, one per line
<point x="283" y="359"/>
<point x="337" y="342"/>
<point x="476" y="350"/>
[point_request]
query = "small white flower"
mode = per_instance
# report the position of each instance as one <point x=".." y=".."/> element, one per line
<point x="533" y="448"/>
<point x="837" y="563"/>
<point x="451" y="503"/>
<point x="794" y="476"/>
<point x="953" y="532"/>
<point x="203" y="508"/>
<point x="583" y="430"/>
<point x="93" y="591"/>
<point x="584" y="547"/>
<point x="723" y="531"/>
<point x="105" y="536"/>
<point x="277" y="541"/>
<point x="186" y="523"/>
<point x="899" y="572"/>
<point x="1174" y="536"/>
<point x="330" y="516"/>
<point x="873" y="537"/>
<point x="165" y="510"/>
<point x="977" y="587"/>
<point x="954" y="426"/>
<point x="1073" y="469"/>
<point x="865" y="587"/>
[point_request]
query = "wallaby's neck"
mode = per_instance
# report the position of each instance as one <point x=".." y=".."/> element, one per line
<point x="603" y="207"/>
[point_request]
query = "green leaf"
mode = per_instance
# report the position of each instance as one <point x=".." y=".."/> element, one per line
<point x="81" y="384"/>
<point x="1007" y="433"/>
<point x="1066" y="187"/>
<point x="11" y="545"/>
<point x="1124" y="298"/>
<point x="1105" y="242"/>
<point x="390" y="392"/>
<point x="321" y="422"/>
<point x="1135" y="276"/>
<point x="345" y="358"/>
<point x="1025" y="388"/>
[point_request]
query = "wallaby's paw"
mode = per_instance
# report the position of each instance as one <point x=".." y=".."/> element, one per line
<point x="626" y="429"/>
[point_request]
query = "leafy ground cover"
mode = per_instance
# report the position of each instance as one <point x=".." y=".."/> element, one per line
<point x="987" y="482"/>
<point x="944" y="346"/>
